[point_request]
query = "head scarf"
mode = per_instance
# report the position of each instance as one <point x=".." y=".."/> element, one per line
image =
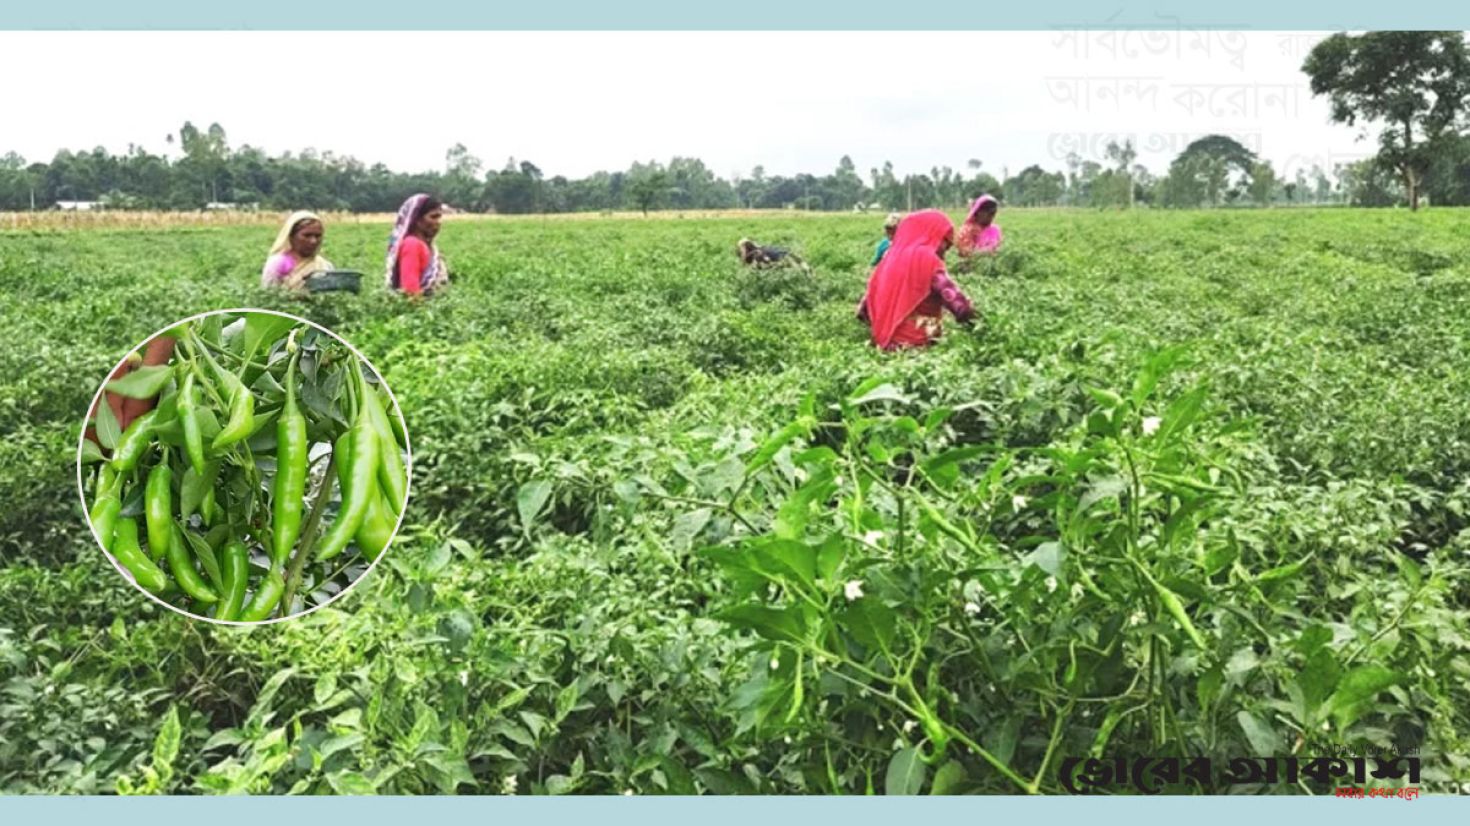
<point x="905" y="276"/>
<point x="436" y="273"/>
<point x="894" y="219"/>
<point x="282" y="245"/>
<point x="980" y="202"/>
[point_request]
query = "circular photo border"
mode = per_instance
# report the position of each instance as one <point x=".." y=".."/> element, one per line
<point x="97" y="399"/>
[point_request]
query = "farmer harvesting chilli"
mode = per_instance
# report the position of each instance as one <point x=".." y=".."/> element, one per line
<point x="414" y="266"/>
<point x="219" y="469"/>
<point x="761" y="257"/>
<point x="910" y="290"/>
<point x="295" y="255"/>
<point x="979" y="234"/>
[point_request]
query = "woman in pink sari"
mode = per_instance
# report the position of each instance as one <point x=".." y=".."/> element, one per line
<point x="980" y="233"/>
<point x="910" y="290"/>
<point x="414" y="266"/>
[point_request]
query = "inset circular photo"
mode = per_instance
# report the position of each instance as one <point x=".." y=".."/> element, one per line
<point x="244" y="466"/>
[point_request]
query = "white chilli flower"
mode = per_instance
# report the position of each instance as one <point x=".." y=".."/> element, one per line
<point x="853" y="590"/>
<point x="1051" y="584"/>
<point x="464" y="678"/>
<point x="972" y="608"/>
<point x="1151" y="425"/>
<point x="775" y="663"/>
<point x="1136" y="619"/>
<point x="1077" y="590"/>
<point x="1019" y="502"/>
<point x="627" y="792"/>
<point x="873" y="537"/>
<point x="508" y="785"/>
<point x="908" y="726"/>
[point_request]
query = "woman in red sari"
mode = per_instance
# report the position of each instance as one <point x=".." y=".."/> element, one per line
<point x="909" y="292"/>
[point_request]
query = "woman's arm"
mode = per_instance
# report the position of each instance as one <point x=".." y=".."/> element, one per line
<point x="953" y="298"/>
<point x="276" y="266"/>
<point x="964" y="242"/>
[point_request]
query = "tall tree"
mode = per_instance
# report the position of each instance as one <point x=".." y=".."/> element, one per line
<point x="649" y="189"/>
<point x="1263" y="183"/>
<point x="1414" y="83"/>
<point x="1123" y="155"/>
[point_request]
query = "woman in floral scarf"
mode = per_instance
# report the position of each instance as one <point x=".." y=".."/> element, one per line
<point x="414" y="266"/>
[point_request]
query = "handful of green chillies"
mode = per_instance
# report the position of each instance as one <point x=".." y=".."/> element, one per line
<point x="268" y="475"/>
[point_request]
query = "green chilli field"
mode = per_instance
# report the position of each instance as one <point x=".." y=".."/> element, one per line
<point x="1197" y="486"/>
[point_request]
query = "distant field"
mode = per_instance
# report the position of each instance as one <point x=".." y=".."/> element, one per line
<point x="675" y="526"/>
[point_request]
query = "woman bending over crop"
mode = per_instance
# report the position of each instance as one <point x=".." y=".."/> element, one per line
<point x="414" y="264"/>
<point x="754" y="255"/>
<point x="296" y="254"/>
<point x="909" y="292"/>
<point x="980" y="234"/>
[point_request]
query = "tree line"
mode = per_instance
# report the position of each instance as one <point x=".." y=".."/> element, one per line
<point x="1413" y="86"/>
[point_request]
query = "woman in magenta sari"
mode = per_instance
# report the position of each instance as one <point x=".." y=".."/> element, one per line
<point x="910" y="290"/>
<point x="979" y="233"/>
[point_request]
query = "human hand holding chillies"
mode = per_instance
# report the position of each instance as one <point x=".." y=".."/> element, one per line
<point x="268" y="476"/>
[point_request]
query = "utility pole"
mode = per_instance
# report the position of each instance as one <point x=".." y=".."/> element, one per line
<point x="910" y="182"/>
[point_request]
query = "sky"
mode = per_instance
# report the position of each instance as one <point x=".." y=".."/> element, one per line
<point x="577" y="102"/>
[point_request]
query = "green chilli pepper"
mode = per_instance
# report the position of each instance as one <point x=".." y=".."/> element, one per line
<point x="237" y="576"/>
<point x="378" y="524"/>
<point x="128" y="554"/>
<point x="106" y="480"/>
<point x="1176" y="610"/>
<point x="104" y="518"/>
<point x="391" y="473"/>
<point x="209" y="508"/>
<point x="288" y="494"/>
<point x="362" y="473"/>
<point x="1174" y="606"/>
<point x="189" y="420"/>
<point x="242" y="413"/>
<point x="158" y="508"/>
<point x="134" y="442"/>
<point x="265" y="599"/>
<point x="181" y="562"/>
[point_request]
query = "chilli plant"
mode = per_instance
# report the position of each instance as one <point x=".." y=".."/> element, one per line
<point x="1006" y="606"/>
